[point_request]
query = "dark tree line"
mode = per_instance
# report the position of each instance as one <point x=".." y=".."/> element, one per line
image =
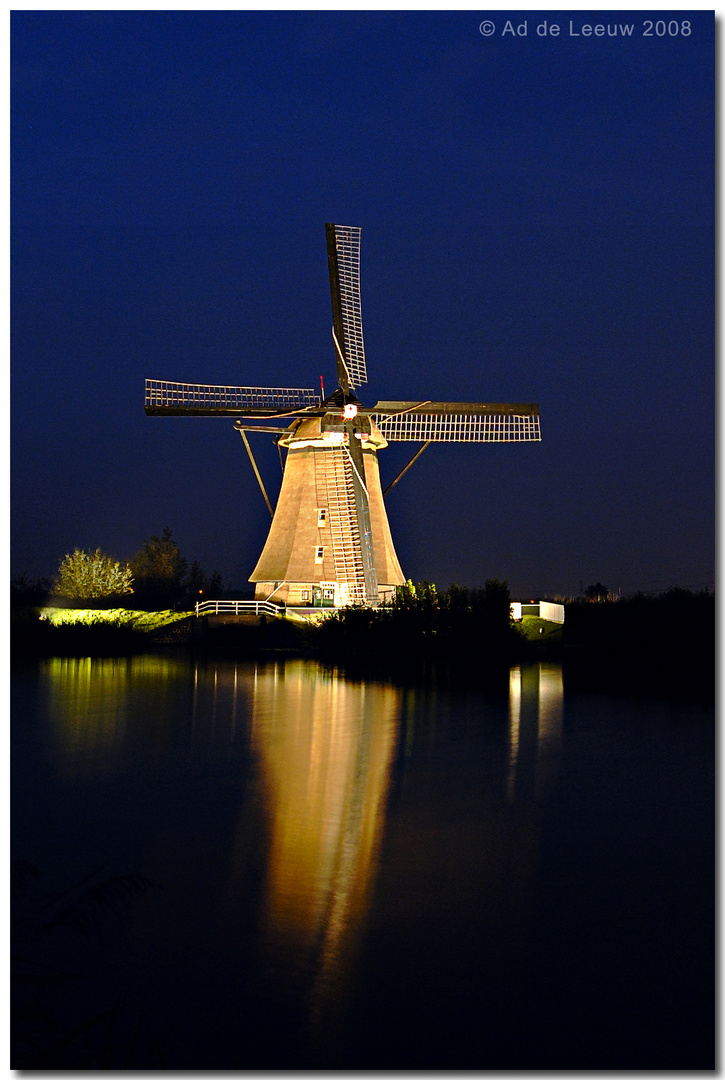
<point x="665" y="641"/>
<point x="596" y="592"/>
<point x="466" y="626"/>
<point x="157" y="577"/>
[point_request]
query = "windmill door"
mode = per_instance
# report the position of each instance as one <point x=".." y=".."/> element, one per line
<point x="323" y="596"/>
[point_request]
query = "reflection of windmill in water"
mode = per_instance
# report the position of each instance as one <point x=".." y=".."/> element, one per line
<point x="329" y="542"/>
<point x="324" y="747"/>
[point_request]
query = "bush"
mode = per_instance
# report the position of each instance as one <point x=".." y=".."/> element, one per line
<point x="88" y="575"/>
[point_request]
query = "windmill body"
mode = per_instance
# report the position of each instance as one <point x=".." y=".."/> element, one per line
<point x="329" y="543"/>
<point x="313" y="551"/>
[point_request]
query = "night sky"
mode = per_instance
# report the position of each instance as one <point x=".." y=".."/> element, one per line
<point x="537" y="220"/>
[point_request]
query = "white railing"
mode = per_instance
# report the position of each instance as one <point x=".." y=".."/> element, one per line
<point x="238" y="607"/>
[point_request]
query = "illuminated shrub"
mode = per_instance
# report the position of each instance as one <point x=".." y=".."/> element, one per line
<point x="87" y="575"/>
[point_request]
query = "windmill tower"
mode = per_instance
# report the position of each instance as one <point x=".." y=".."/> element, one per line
<point x="329" y="543"/>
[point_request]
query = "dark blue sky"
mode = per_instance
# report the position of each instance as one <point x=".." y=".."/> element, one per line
<point x="538" y="225"/>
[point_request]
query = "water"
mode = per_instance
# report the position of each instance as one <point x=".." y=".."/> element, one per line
<point x="271" y="866"/>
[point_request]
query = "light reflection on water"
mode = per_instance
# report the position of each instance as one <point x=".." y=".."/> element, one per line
<point x="322" y="749"/>
<point x="536" y="709"/>
<point x="325" y="747"/>
<point x="96" y="704"/>
<point x="87" y="700"/>
<point x="346" y="866"/>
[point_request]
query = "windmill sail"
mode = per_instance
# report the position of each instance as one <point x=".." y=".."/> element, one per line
<point x="343" y="259"/>
<point x="200" y="399"/>
<point x="452" y="421"/>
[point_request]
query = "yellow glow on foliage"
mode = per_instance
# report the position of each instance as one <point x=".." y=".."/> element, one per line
<point x="133" y="620"/>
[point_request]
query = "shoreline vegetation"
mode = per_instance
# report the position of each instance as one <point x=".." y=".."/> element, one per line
<point x="663" y="643"/>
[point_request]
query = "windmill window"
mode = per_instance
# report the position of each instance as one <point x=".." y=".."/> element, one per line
<point x="319" y="552"/>
<point x="304" y="594"/>
<point x="321" y="518"/>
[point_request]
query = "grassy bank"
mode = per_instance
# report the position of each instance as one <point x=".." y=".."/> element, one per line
<point x="540" y="632"/>
<point x="88" y="632"/>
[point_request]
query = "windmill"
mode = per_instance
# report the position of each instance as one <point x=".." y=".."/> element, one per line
<point x="329" y="543"/>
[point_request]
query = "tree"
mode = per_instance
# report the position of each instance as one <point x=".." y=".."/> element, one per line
<point x="200" y="586"/>
<point x="26" y="592"/>
<point x="497" y="600"/>
<point x="165" y="579"/>
<point x="491" y="608"/>
<point x="597" y="592"/>
<point x="88" y="575"/>
<point x="160" y="570"/>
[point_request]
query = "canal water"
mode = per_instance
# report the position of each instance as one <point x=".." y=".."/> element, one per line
<point x="239" y="865"/>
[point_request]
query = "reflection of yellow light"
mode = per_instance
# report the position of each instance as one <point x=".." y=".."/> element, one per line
<point x="514" y="725"/>
<point x="551" y="701"/>
<point x="536" y="696"/>
<point x="86" y="698"/>
<point x="91" y="702"/>
<point x="551" y="711"/>
<point x="325" y="748"/>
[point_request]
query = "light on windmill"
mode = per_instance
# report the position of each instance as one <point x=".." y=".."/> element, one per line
<point x="349" y="411"/>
